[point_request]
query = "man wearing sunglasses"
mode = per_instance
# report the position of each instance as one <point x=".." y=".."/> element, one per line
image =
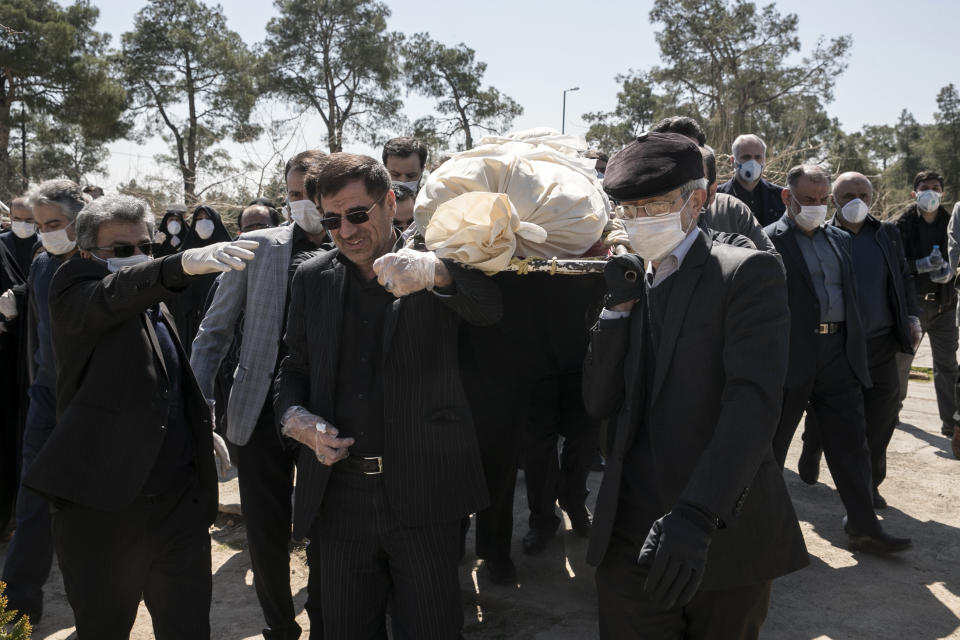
<point x="388" y="461"/>
<point x="129" y="465"/>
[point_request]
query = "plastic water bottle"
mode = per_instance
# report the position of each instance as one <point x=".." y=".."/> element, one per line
<point x="936" y="252"/>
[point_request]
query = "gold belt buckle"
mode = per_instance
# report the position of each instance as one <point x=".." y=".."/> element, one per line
<point x="824" y="328"/>
<point x="379" y="460"/>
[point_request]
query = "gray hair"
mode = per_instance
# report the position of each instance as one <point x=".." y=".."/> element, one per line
<point x="812" y="172"/>
<point x="747" y="137"/>
<point x="689" y="187"/>
<point x="65" y="194"/>
<point x="110" y="209"/>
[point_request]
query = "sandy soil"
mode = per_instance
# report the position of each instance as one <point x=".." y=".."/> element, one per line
<point x="914" y="595"/>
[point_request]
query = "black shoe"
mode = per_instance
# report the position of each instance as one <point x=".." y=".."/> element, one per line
<point x="536" y="541"/>
<point x="809" y="464"/>
<point x="880" y="543"/>
<point x="579" y="520"/>
<point x="878" y="501"/>
<point x="946" y="430"/>
<point x="500" y="571"/>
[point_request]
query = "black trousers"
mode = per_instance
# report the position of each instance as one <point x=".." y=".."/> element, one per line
<point x="835" y="398"/>
<point x="881" y="403"/>
<point x="941" y="329"/>
<point x="265" y="478"/>
<point x="626" y="612"/>
<point x="368" y="556"/>
<point x="556" y="409"/>
<point x="158" y="548"/>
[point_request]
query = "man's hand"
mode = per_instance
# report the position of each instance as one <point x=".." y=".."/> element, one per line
<point x="219" y="257"/>
<point x="315" y="432"/>
<point x="408" y="271"/>
<point x="942" y="275"/>
<point x="222" y="454"/>
<point x="8" y="305"/>
<point x="624" y="278"/>
<point x="916" y="332"/>
<point x="676" y="552"/>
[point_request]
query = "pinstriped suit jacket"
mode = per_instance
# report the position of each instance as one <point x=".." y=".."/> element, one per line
<point x="431" y="460"/>
<point x="260" y="292"/>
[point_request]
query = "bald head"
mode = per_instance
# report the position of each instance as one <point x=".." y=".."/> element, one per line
<point x="850" y="186"/>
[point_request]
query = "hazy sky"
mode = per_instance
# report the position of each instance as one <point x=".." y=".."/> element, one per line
<point x="534" y="50"/>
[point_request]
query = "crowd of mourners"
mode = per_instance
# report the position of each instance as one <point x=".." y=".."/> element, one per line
<point x="378" y="399"/>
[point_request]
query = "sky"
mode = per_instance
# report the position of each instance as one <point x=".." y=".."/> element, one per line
<point x="535" y="49"/>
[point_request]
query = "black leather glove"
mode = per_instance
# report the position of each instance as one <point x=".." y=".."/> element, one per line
<point x="676" y="552"/>
<point x="624" y="277"/>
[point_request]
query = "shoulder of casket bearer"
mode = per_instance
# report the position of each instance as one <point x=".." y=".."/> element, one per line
<point x="652" y="164"/>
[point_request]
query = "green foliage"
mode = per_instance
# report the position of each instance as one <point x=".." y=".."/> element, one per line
<point x="336" y="58"/>
<point x="945" y="143"/>
<point x="54" y="78"/>
<point x="193" y="80"/>
<point x="637" y="108"/>
<point x="454" y="78"/>
<point x="21" y="630"/>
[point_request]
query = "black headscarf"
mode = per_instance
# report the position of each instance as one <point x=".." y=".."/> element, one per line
<point x="220" y="233"/>
<point x="167" y="247"/>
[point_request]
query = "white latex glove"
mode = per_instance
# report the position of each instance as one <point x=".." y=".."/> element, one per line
<point x="8" y="305"/>
<point x="222" y="454"/>
<point x="406" y="271"/>
<point x="315" y="432"/>
<point x="219" y="257"/>
<point x="916" y="332"/>
<point x="942" y="275"/>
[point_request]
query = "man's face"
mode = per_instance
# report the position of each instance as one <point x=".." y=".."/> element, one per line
<point x="750" y="150"/>
<point x="365" y="242"/>
<point x="601" y="165"/>
<point x="404" y="215"/>
<point x="49" y="217"/>
<point x="404" y="168"/>
<point x="254" y="218"/>
<point x="116" y="233"/>
<point x="295" y="185"/>
<point x="928" y="185"/>
<point x="806" y="193"/>
<point x="669" y="203"/>
<point x="850" y="187"/>
<point x="21" y="214"/>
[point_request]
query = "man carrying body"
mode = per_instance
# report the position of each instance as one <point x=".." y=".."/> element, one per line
<point x="891" y="324"/>
<point x="693" y="518"/>
<point x="259" y="294"/>
<point x="749" y="155"/>
<point x="389" y="462"/>
<point x="828" y="351"/>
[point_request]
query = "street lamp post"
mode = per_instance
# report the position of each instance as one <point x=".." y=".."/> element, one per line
<point x="563" y="121"/>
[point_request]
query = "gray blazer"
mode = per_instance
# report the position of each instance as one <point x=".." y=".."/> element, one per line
<point x="727" y="213"/>
<point x="260" y="292"/>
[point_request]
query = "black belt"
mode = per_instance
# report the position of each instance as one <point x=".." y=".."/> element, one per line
<point x="358" y="464"/>
<point x="825" y="328"/>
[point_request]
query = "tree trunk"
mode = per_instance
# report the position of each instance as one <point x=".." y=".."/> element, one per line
<point x="6" y="190"/>
<point x="189" y="168"/>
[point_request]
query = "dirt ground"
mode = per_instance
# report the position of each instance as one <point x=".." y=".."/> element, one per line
<point x="913" y="595"/>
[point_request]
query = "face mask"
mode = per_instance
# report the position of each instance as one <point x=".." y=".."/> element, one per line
<point x="750" y="170"/>
<point x="599" y="175"/>
<point x="173" y="227"/>
<point x="115" y="264"/>
<point x="413" y="186"/>
<point x="204" y="228"/>
<point x="304" y="213"/>
<point x="58" y="242"/>
<point x="928" y="200"/>
<point x="855" y="211"/>
<point x="23" y="230"/>
<point x="811" y="216"/>
<point x="654" y="238"/>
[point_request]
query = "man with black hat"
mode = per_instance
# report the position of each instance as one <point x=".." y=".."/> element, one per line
<point x="693" y="518"/>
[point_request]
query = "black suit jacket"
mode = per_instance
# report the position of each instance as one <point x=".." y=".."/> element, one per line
<point x="712" y="410"/>
<point x="770" y="203"/>
<point x="112" y="387"/>
<point x="432" y="466"/>
<point x="805" y="307"/>
<point x="901" y="292"/>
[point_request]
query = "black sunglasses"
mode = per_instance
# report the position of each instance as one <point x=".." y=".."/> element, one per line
<point x="126" y="250"/>
<point x="355" y="216"/>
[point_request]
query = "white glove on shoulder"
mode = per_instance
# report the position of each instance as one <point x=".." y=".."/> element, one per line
<point x="406" y="271"/>
<point x="219" y="257"/>
<point x="8" y="305"/>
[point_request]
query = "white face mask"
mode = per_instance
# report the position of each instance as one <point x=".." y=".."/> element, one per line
<point x="23" y="230"/>
<point x="115" y="264"/>
<point x="413" y="186"/>
<point x="204" y="228"/>
<point x="750" y="170"/>
<point x="811" y="216"/>
<point x="855" y="211"/>
<point x="928" y="200"/>
<point x="654" y="238"/>
<point x="304" y="213"/>
<point x="58" y="242"/>
<point x="173" y="227"/>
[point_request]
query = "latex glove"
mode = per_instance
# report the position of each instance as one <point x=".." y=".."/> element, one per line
<point x="676" y="552"/>
<point x="8" y="305"/>
<point x="624" y="277"/>
<point x="942" y="275"/>
<point x="928" y="264"/>
<point x="406" y="271"/>
<point x="222" y="454"/>
<point x="219" y="257"/>
<point x="313" y="431"/>
<point x="916" y="332"/>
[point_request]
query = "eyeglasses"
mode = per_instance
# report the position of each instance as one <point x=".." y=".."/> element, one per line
<point x="648" y="210"/>
<point x="127" y="250"/>
<point x="357" y="215"/>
